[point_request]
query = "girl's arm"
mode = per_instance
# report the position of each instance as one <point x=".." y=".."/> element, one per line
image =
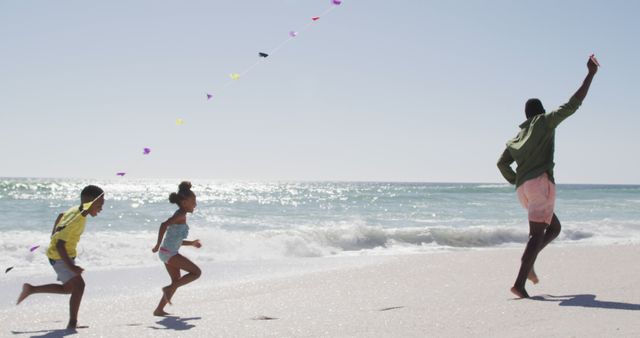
<point x="161" y="231"/>
<point x="176" y="218"/>
<point x="195" y="243"/>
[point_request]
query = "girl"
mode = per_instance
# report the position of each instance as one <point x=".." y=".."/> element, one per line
<point x="177" y="230"/>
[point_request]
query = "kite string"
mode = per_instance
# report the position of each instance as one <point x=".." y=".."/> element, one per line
<point x="274" y="50"/>
<point x="80" y="213"/>
<point x="306" y="26"/>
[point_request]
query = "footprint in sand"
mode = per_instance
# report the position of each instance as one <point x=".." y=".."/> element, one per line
<point x="263" y="318"/>
<point x="391" y="308"/>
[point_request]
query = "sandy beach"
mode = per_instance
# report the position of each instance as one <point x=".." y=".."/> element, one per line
<point x="584" y="291"/>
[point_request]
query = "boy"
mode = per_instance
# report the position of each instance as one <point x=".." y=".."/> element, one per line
<point x="62" y="252"/>
<point x="533" y="151"/>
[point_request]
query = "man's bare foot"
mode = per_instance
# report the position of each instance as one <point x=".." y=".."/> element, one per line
<point x="73" y="324"/>
<point x="160" y="313"/>
<point x="533" y="277"/>
<point x="26" y="292"/>
<point x="167" y="292"/>
<point x="520" y="292"/>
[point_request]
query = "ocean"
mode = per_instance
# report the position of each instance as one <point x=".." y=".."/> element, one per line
<point x="253" y="221"/>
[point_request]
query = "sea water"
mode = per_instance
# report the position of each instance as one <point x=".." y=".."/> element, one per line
<point x="240" y="221"/>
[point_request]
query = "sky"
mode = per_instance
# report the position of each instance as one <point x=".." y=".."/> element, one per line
<point x="419" y="91"/>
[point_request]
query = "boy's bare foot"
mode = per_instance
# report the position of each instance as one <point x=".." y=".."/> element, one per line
<point x="167" y="292"/>
<point x="26" y="292"/>
<point x="160" y="313"/>
<point x="520" y="292"/>
<point x="533" y="277"/>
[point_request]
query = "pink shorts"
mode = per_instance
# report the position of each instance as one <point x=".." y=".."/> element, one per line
<point x="538" y="196"/>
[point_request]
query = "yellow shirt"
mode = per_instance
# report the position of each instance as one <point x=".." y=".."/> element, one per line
<point x="69" y="229"/>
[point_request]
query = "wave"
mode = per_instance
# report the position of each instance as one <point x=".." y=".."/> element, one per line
<point x="115" y="249"/>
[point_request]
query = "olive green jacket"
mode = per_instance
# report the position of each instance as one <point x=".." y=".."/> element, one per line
<point x="533" y="148"/>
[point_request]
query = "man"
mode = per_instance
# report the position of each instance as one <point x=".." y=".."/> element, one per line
<point x="532" y="149"/>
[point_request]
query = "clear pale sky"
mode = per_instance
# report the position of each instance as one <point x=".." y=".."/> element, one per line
<point x="375" y="90"/>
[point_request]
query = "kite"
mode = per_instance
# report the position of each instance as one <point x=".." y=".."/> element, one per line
<point x="332" y="4"/>
<point x="179" y="122"/>
<point x="8" y="269"/>
<point x="146" y="151"/>
<point x="121" y="174"/>
<point x="33" y="248"/>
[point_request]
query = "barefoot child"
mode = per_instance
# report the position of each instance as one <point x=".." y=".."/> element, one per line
<point x="532" y="149"/>
<point x="176" y="230"/>
<point x="62" y="252"/>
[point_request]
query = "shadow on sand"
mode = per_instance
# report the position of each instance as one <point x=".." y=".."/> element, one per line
<point x="175" y="323"/>
<point x="48" y="333"/>
<point x="587" y="301"/>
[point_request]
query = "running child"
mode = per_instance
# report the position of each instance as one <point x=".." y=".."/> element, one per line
<point x="176" y="230"/>
<point x="62" y="253"/>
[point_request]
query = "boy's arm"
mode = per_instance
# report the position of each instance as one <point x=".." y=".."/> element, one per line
<point x="53" y="231"/>
<point x="65" y="257"/>
<point x="504" y="164"/>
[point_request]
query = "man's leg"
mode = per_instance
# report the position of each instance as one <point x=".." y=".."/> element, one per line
<point x="536" y="239"/>
<point x="553" y="230"/>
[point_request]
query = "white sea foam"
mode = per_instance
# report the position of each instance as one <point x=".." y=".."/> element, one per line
<point x="242" y="221"/>
<point x="117" y="249"/>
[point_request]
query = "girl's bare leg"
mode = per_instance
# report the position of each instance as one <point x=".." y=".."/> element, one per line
<point x="167" y="292"/>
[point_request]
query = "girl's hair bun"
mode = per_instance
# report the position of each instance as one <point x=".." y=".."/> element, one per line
<point x="184" y="186"/>
<point x="184" y="191"/>
<point x="174" y="198"/>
